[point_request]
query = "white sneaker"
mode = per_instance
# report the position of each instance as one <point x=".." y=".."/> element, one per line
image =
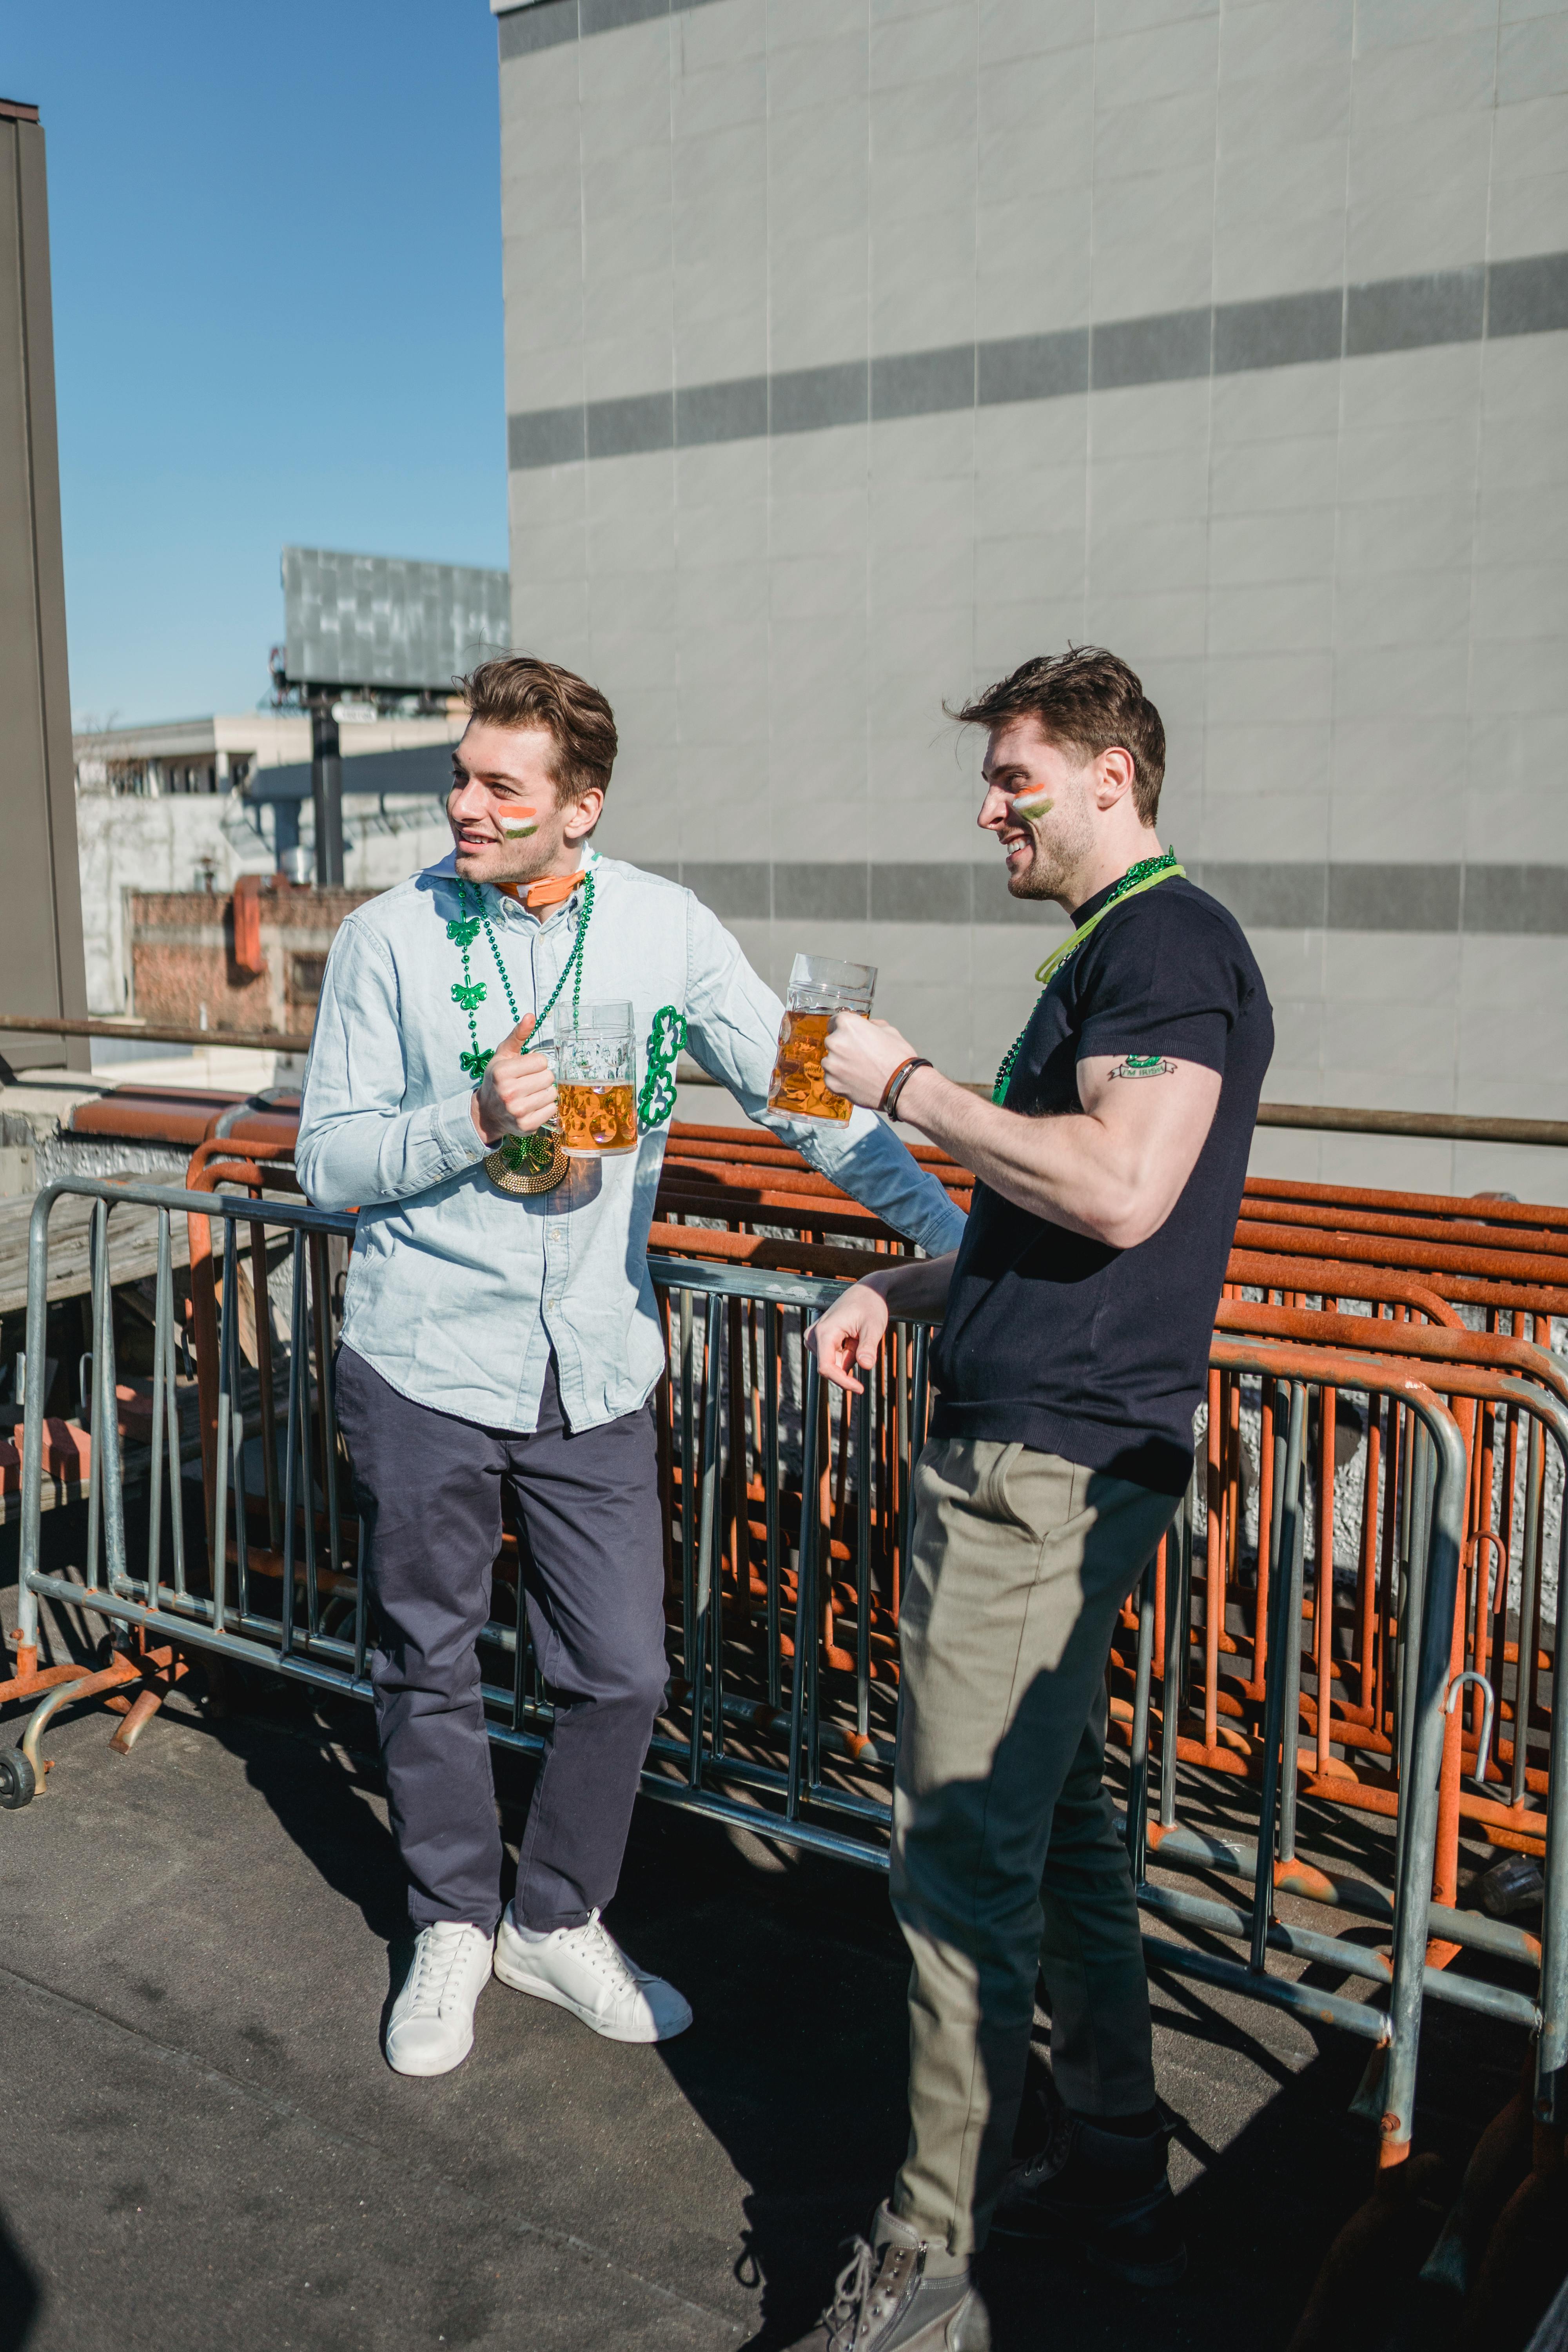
<point x="431" y="2028"/>
<point x="585" y="1969"/>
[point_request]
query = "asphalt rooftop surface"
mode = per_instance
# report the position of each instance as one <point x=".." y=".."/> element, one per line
<point x="204" y="2148"/>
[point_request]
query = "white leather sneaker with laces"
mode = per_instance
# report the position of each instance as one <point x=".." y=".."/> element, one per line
<point x="585" y="1969"/>
<point x="431" y="2028"/>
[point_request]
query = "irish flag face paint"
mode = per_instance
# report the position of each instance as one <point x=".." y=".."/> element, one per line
<point x="1032" y="804"/>
<point x="521" y="832"/>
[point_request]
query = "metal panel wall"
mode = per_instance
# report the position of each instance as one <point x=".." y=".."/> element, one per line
<point x="41" y="968"/>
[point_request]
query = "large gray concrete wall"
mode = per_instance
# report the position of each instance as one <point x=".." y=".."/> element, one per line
<point x="857" y="349"/>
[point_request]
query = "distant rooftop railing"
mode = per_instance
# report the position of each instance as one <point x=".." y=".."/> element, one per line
<point x="1324" y="1118"/>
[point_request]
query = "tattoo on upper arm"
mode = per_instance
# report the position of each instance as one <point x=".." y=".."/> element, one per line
<point x="1144" y="1065"/>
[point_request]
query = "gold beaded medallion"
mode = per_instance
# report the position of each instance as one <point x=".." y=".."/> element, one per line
<point x="528" y="1163"/>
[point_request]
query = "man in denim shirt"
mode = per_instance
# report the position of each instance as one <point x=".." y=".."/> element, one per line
<point x="495" y="1336"/>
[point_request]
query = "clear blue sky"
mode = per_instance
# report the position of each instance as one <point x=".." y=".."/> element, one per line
<point x="276" y="243"/>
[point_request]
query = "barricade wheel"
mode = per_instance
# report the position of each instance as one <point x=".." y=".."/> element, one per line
<point x="18" y="1782"/>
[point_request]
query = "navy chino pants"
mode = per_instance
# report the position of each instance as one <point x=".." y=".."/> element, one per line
<point x="428" y="1489"/>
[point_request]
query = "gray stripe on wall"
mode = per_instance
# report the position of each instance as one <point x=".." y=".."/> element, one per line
<point x="645" y="420"/>
<point x="1281" y="332"/>
<point x="546" y="436"/>
<point x="546" y="23"/>
<point x="1404" y="314"/>
<point x="1032" y="367"/>
<point x="1526" y="297"/>
<point x="924" y="384"/>
<point x="1506" y="901"/>
<point x="1171" y="348"/>
<point x="1517" y="899"/>
<point x="1398" y="314"/>
<point x="802" y="400"/>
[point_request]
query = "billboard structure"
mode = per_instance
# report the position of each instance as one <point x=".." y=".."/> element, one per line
<point x="380" y="623"/>
<point x="377" y="624"/>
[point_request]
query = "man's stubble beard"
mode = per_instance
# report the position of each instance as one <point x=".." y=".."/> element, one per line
<point x="515" y="870"/>
<point x="510" y="861"/>
<point x="1053" y="864"/>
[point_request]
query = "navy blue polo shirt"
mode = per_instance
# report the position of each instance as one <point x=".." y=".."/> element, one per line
<point x="1063" y="1344"/>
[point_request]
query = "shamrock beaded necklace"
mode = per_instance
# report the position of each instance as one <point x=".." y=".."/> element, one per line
<point x="470" y="993"/>
<point x="522" y="1163"/>
<point x="536" y="1162"/>
<point x="1142" y="876"/>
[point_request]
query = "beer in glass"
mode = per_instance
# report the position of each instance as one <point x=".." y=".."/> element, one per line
<point x="596" y="1080"/>
<point x="819" y="987"/>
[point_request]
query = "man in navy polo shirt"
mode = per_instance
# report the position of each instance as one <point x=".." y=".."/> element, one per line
<point x="1076" y="1318"/>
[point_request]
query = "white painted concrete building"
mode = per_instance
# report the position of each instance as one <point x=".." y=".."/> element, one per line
<point x="858" y="348"/>
<point x="184" y="756"/>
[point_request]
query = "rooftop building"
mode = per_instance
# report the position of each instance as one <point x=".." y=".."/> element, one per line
<point x="223" y="753"/>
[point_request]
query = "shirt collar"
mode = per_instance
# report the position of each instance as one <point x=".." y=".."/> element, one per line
<point x="1081" y="915"/>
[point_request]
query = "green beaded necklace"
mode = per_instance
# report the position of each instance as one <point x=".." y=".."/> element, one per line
<point x="470" y="993"/>
<point x="537" y="1157"/>
<point x="1142" y="876"/>
<point x="527" y="1163"/>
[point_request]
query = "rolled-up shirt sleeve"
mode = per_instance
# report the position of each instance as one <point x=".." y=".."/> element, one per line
<point x="358" y="1146"/>
<point x="732" y="1027"/>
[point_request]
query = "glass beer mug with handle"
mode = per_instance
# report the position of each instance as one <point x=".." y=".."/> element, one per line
<point x="596" y="1056"/>
<point x="819" y="988"/>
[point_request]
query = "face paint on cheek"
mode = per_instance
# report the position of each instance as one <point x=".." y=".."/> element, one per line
<point x="1033" y="804"/>
<point x="521" y="832"/>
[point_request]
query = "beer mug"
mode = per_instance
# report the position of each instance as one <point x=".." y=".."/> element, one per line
<point x="819" y="988"/>
<point x="596" y="1056"/>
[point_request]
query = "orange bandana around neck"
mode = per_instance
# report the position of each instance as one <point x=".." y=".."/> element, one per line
<point x="552" y="891"/>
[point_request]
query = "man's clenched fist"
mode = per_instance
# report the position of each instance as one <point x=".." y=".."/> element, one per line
<point x="517" y="1093"/>
<point x="862" y="1055"/>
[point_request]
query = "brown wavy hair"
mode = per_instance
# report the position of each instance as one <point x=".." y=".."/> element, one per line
<point x="519" y="690"/>
<point x="1086" y="697"/>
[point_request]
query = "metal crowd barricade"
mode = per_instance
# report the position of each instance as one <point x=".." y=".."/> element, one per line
<point x="275" y="1583"/>
<point x="274" y="1527"/>
<point x="1385" y="1674"/>
<point x="1510" y="1396"/>
<point x="791" y="1537"/>
<point x="787" y="1518"/>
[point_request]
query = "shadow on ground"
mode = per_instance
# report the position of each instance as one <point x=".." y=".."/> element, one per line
<point x="20" y="2300"/>
<point x="717" y="2176"/>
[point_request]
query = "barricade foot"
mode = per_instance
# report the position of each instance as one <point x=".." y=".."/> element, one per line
<point x="141" y="1711"/>
<point x="126" y="1667"/>
<point x="30" y="1678"/>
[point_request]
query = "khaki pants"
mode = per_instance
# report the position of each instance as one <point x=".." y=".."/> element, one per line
<point x="1005" y="1855"/>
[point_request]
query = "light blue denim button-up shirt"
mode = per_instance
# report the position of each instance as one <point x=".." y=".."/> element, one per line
<point x="457" y="1293"/>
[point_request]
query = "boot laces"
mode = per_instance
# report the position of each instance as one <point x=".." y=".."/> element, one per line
<point x="439" y="1952"/>
<point x="850" y="2290"/>
<point x="1050" y="2159"/>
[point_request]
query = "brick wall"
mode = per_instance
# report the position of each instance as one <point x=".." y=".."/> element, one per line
<point x="183" y="956"/>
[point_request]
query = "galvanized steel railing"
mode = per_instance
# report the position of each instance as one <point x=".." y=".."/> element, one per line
<point x="787" y="1525"/>
<point x="1420" y="1507"/>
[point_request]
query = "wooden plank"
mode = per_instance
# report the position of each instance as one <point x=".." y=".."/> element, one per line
<point x="132" y="1248"/>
